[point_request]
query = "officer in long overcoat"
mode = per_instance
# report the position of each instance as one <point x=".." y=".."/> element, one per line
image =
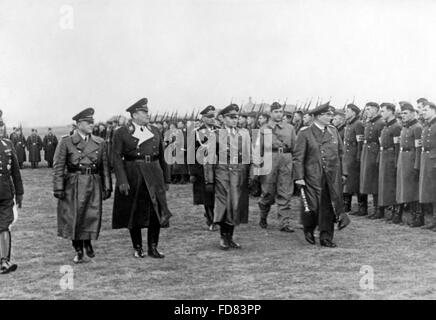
<point x="19" y="142"/>
<point x="49" y="144"/>
<point x="11" y="193"/>
<point x="34" y="146"/>
<point x="369" y="159"/>
<point x="389" y="151"/>
<point x="408" y="161"/>
<point x="227" y="170"/>
<point x="196" y="170"/>
<point x="142" y="180"/>
<point x="81" y="181"/>
<point x="427" y="169"/>
<point x="318" y="168"/>
<point x="353" y="141"/>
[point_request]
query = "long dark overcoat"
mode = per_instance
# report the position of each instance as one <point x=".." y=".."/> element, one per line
<point x="427" y="169"/>
<point x="353" y="141"/>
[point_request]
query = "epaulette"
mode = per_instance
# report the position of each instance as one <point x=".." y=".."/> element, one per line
<point x="97" y="138"/>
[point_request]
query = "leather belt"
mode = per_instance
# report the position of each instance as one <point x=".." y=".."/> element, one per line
<point x="83" y="170"/>
<point x="146" y="158"/>
<point x="282" y="150"/>
<point x="386" y="149"/>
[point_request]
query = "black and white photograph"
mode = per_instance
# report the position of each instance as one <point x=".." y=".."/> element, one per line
<point x="196" y="151"/>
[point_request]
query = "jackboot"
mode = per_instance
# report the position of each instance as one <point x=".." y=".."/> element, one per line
<point x="417" y="216"/>
<point x="379" y="214"/>
<point x="397" y="214"/>
<point x="347" y="202"/>
<point x="363" y="205"/>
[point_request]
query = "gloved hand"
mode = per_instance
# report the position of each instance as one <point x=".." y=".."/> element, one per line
<point x="19" y="200"/>
<point x="210" y="188"/>
<point x="124" y="188"/>
<point x="343" y="221"/>
<point x="106" y="194"/>
<point x="59" y="194"/>
<point x="192" y="179"/>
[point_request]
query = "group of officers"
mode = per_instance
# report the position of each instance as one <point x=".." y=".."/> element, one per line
<point x="327" y="159"/>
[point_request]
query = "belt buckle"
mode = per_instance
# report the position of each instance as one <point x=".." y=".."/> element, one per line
<point x="88" y="170"/>
<point x="280" y="150"/>
<point x="147" y="158"/>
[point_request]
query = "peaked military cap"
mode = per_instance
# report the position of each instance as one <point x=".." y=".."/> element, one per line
<point x="406" y="106"/>
<point x="85" y="115"/>
<point x="353" y="107"/>
<point x="388" y="105"/>
<point x="321" y="109"/>
<point x="430" y="104"/>
<point x="208" y="110"/>
<point x="140" y="105"/>
<point x="422" y="100"/>
<point x="275" y="106"/>
<point x="372" y="104"/>
<point x="230" y="109"/>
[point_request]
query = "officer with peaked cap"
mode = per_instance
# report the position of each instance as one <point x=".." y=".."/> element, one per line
<point x="34" y="146"/>
<point x="11" y="193"/>
<point x="49" y="144"/>
<point x="203" y="195"/>
<point x="81" y="180"/>
<point x="228" y="171"/>
<point x="142" y="180"/>
<point x="353" y="141"/>
<point x="407" y="176"/>
<point x="277" y="185"/>
<point x="318" y="169"/>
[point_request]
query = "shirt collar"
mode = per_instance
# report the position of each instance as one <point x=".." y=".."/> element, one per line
<point x="320" y="127"/>
<point x="81" y="135"/>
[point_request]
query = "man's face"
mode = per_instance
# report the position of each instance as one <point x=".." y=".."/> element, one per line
<point x="386" y="113"/>
<point x="277" y="115"/>
<point x="101" y="127"/>
<point x="349" y="114"/>
<point x="419" y="107"/>
<point x="325" y="118"/>
<point x="338" y="120"/>
<point x="297" y="118"/>
<point x="180" y="125"/>
<point x="250" y="120"/>
<point x="85" y="126"/>
<point x="307" y="119"/>
<point x="371" y="112"/>
<point x="242" y="120"/>
<point x="428" y="113"/>
<point x="141" y="117"/>
<point x="262" y="120"/>
<point x="407" y="115"/>
<point x="231" y="120"/>
<point x="208" y="119"/>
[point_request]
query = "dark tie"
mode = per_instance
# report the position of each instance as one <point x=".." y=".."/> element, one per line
<point x="142" y="128"/>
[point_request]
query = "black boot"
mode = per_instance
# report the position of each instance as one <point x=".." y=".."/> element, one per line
<point x="136" y="236"/>
<point x="152" y="252"/>
<point x="224" y="241"/>
<point x="78" y="246"/>
<point x="232" y="244"/>
<point x="375" y="206"/>
<point x="363" y="205"/>
<point x="88" y="248"/>
<point x="5" y="253"/>
<point x="347" y="202"/>
<point x="379" y="214"/>
<point x="397" y="216"/>
<point x="417" y="216"/>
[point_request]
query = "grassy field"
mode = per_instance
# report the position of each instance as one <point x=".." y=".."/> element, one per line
<point x="271" y="265"/>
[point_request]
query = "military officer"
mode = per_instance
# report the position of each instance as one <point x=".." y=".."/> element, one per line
<point x="369" y="159"/>
<point x="277" y="185"/>
<point x="339" y="122"/>
<point x="389" y="150"/>
<point x="11" y="188"/>
<point x="227" y="171"/>
<point x="202" y="195"/>
<point x="427" y="169"/>
<point x="318" y="169"/>
<point x="297" y="120"/>
<point x="242" y="121"/>
<point x="142" y="180"/>
<point x="49" y="144"/>
<point x="19" y="142"/>
<point x="34" y="145"/>
<point x="408" y="161"/>
<point x="353" y="141"/>
<point x="3" y="132"/>
<point x="81" y="180"/>
<point x="307" y="120"/>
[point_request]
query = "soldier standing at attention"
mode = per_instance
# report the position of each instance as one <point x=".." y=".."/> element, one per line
<point x="81" y="180"/>
<point x="318" y="169"/>
<point x="34" y="145"/>
<point x="408" y="162"/>
<point x="203" y="195"/>
<point x="142" y="180"/>
<point x="11" y="188"/>
<point x="427" y="169"/>
<point x="369" y="160"/>
<point x="49" y="143"/>
<point x="339" y="122"/>
<point x="353" y="141"/>
<point x="278" y="185"/>
<point x="389" y="151"/>
<point x="229" y="174"/>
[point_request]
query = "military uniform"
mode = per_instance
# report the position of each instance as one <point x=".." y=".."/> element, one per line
<point x="407" y="174"/>
<point x="34" y="145"/>
<point x="341" y="130"/>
<point x="369" y="162"/>
<point x="11" y="186"/>
<point x="427" y="169"/>
<point x="196" y="170"/>
<point x="278" y="185"/>
<point x="318" y="161"/>
<point x="81" y="180"/>
<point x="140" y="170"/>
<point x="19" y="142"/>
<point x="229" y="174"/>
<point x="49" y="143"/>
<point x="353" y="141"/>
<point x="389" y="150"/>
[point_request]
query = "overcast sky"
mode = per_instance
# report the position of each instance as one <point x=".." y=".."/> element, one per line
<point x="185" y="54"/>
